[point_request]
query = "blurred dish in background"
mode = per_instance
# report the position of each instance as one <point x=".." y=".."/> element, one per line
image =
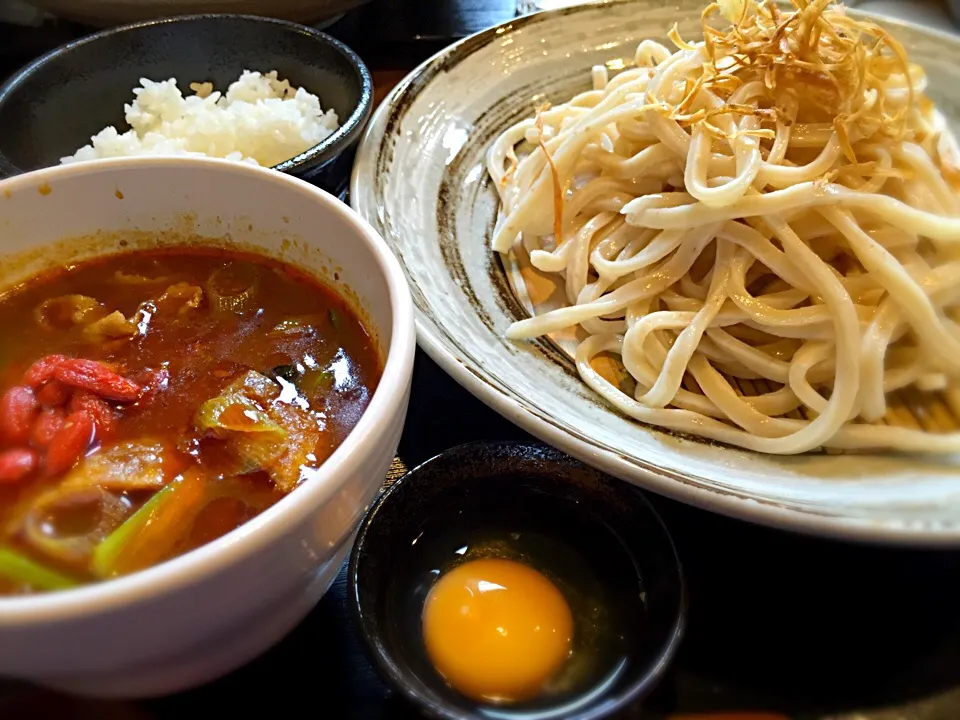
<point x="525" y="7"/>
<point x="43" y="119"/>
<point x="104" y="13"/>
<point x="17" y="12"/>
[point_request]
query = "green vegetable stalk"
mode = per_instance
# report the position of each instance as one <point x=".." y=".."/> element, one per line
<point x="21" y="569"/>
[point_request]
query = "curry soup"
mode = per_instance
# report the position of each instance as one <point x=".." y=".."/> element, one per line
<point x="152" y="401"/>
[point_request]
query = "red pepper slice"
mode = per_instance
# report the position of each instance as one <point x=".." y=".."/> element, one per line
<point x="18" y="410"/>
<point x="42" y="370"/>
<point x="97" y="378"/>
<point x="69" y="443"/>
<point x="16" y="464"/>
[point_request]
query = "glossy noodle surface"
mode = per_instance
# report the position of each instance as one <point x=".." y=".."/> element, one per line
<point x="154" y="401"/>
<point x="750" y="236"/>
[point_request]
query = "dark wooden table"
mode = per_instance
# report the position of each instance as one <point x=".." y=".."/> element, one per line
<point x="779" y="623"/>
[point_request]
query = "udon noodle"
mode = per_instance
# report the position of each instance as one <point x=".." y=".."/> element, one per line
<point x="762" y="228"/>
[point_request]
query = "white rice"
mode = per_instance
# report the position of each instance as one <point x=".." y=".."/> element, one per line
<point x="260" y="119"/>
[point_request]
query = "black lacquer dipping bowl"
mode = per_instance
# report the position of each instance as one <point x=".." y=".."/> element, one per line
<point x="597" y="538"/>
<point x="51" y="108"/>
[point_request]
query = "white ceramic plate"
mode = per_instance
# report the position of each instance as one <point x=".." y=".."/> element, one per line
<point x="419" y="179"/>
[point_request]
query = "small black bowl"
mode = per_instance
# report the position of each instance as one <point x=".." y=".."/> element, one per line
<point x="596" y="537"/>
<point x="52" y="107"/>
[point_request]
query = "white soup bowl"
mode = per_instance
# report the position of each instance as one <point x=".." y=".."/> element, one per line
<point x="199" y="616"/>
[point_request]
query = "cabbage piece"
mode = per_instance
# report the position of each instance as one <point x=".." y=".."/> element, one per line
<point x="66" y="311"/>
<point x="132" y="465"/>
<point x="98" y="323"/>
<point x="264" y="431"/>
<point x="181" y="297"/>
<point x="113" y="326"/>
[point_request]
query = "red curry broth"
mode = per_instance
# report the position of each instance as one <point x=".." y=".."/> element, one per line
<point x="224" y="378"/>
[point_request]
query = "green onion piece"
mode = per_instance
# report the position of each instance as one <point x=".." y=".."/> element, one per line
<point x="335" y="319"/>
<point x="107" y="552"/>
<point x="21" y="569"/>
<point x="315" y="384"/>
<point x="149" y="535"/>
<point x="233" y="412"/>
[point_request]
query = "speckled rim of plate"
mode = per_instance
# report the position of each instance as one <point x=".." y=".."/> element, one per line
<point x="887" y="499"/>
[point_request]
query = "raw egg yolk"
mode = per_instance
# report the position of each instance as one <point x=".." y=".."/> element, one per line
<point x="497" y="630"/>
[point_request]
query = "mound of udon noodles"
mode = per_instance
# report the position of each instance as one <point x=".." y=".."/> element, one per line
<point x="762" y="229"/>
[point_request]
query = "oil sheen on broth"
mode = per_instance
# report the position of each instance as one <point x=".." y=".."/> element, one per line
<point x="151" y="402"/>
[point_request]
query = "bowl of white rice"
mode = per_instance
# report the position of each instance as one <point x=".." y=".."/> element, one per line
<point x="242" y="88"/>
